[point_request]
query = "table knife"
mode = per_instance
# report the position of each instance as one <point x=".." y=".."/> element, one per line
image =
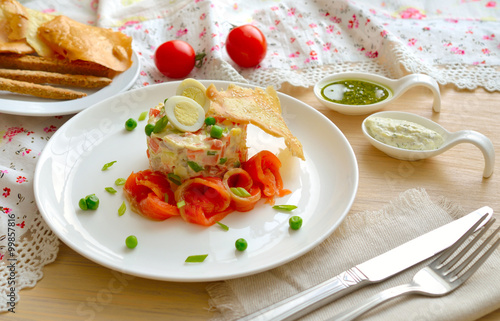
<point x="372" y="271"/>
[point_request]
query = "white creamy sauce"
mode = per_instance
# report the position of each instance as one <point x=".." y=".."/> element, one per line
<point x="403" y="134"/>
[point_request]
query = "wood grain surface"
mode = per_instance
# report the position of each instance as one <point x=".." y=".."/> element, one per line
<point x="74" y="288"/>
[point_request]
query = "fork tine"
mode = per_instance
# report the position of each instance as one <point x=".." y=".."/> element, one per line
<point x="465" y="250"/>
<point x="447" y="253"/>
<point x="481" y="260"/>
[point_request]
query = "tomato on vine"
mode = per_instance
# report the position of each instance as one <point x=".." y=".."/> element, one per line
<point x="246" y="45"/>
<point x="176" y="58"/>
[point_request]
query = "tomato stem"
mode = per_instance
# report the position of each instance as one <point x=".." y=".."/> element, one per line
<point x="199" y="59"/>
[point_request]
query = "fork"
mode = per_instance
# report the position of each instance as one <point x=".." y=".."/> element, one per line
<point x="440" y="277"/>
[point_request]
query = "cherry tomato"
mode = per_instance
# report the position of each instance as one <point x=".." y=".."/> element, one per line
<point x="246" y="46"/>
<point x="175" y="58"/>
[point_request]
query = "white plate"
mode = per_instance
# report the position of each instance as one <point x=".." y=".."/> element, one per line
<point x="324" y="187"/>
<point x="26" y="105"/>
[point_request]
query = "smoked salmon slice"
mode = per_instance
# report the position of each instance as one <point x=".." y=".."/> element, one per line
<point x="203" y="200"/>
<point x="149" y="194"/>
<point x="238" y="177"/>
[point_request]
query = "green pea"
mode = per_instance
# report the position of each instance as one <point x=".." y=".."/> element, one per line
<point x="149" y="129"/>
<point x="92" y="202"/>
<point x="241" y="244"/>
<point x="131" y="241"/>
<point x="83" y="204"/>
<point x="216" y="131"/>
<point x="130" y="124"/>
<point x="210" y="121"/>
<point x="295" y="222"/>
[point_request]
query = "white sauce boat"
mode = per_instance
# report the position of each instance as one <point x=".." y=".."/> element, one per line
<point x="450" y="139"/>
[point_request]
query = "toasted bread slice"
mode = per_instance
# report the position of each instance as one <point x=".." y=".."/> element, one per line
<point x="27" y="88"/>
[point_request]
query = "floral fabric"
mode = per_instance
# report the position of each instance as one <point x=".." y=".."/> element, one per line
<point x="454" y="41"/>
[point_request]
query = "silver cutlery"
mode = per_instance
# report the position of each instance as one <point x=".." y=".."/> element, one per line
<point x="442" y="276"/>
<point x="374" y="270"/>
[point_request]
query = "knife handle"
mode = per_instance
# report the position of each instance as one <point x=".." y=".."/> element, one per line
<point x="311" y="299"/>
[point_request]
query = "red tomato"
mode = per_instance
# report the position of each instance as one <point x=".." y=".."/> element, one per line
<point x="246" y="45"/>
<point x="175" y="58"/>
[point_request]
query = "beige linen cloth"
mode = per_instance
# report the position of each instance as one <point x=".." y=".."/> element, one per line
<point x="360" y="237"/>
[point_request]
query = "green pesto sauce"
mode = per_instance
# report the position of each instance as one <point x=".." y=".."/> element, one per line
<point x="354" y="92"/>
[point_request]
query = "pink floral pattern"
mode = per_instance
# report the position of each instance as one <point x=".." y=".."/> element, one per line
<point x="21" y="141"/>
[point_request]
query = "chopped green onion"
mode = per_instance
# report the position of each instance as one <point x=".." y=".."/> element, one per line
<point x="160" y="124"/>
<point x="143" y="115"/>
<point x="130" y="124"/>
<point x="222" y="160"/>
<point x="237" y="163"/>
<point x="196" y="258"/>
<point x="174" y="178"/>
<point x="122" y="209"/>
<point x="216" y="131"/>
<point x="149" y="129"/>
<point x="211" y="152"/>
<point x="240" y="191"/>
<point x="285" y="207"/>
<point x="223" y="226"/>
<point x="195" y="167"/>
<point x="110" y="190"/>
<point x="181" y="204"/>
<point x="120" y="181"/>
<point x="165" y="197"/>
<point x="107" y="165"/>
<point x="210" y="121"/>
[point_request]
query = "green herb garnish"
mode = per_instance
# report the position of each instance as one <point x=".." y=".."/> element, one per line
<point x="143" y="115"/>
<point x="107" y="165"/>
<point x="195" y="167"/>
<point x="223" y="226"/>
<point x="196" y="258"/>
<point x="240" y="191"/>
<point x="160" y="124"/>
<point x="174" y="178"/>
<point x="120" y="181"/>
<point x="122" y="209"/>
<point x="285" y="207"/>
<point x="110" y="190"/>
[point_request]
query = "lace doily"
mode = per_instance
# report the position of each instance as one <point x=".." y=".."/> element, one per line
<point x="454" y="42"/>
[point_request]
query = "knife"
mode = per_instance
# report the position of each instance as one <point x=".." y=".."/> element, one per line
<point x="374" y="270"/>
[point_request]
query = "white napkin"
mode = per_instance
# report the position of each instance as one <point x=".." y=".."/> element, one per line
<point x="360" y="237"/>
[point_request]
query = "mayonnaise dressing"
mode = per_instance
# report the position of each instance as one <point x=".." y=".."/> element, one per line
<point x="403" y="134"/>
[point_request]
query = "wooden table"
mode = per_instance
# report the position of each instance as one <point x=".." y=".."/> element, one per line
<point x="74" y="288"/>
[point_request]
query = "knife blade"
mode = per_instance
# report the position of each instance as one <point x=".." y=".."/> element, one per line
<point x="374" y="270"/>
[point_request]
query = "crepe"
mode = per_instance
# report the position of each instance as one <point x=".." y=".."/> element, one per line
<point x="255" y="106"/>
<point x="77" y="41"/>
<point x="36" y="19"/>
<point x="13" y="28"/>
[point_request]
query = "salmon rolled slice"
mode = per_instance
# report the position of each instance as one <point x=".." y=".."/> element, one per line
<point x="203" y="201"/>
<point x="150" y="195"/>
<point x="239" y="178"/>
<point x="264" y="167"/>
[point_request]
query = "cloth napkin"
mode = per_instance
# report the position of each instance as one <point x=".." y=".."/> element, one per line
<point x="360" y="237"/>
